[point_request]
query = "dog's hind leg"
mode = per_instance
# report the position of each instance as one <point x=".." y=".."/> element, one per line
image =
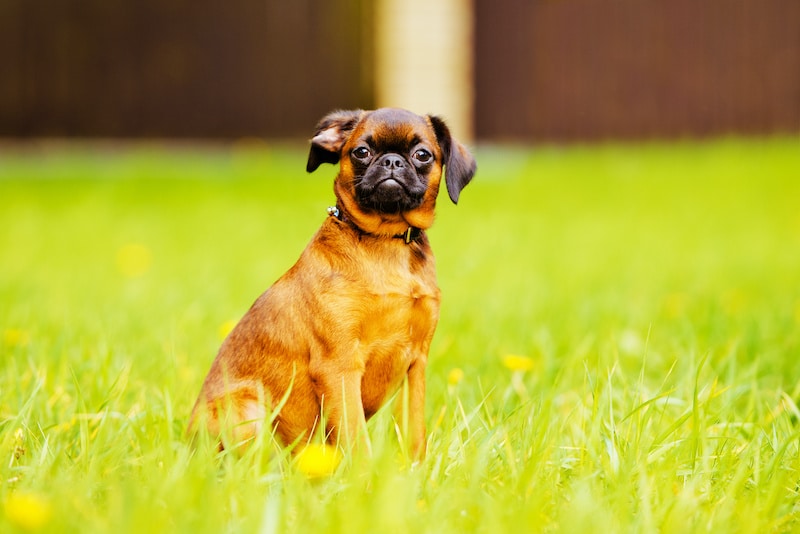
<point x="233" y="418"/>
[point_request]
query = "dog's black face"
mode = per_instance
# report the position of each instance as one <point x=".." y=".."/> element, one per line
<point x="390" y="172"/>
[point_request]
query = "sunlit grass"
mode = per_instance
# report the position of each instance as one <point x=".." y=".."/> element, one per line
<point x="619" y="346"/>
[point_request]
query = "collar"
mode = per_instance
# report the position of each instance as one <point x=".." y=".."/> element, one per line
<point x="409" y="236"/>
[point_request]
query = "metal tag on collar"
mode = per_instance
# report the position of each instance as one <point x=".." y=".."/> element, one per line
<point x="333" y="211"/>
<point x="407" y="237"/>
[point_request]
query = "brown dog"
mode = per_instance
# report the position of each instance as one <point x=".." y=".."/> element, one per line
<point x="341" y="330"/>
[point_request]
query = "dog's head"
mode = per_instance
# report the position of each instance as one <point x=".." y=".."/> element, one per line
<point x="391" y="164"/>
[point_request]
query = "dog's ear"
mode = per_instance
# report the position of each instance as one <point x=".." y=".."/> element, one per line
<point x="329" y="137"/>
<point x="459" y="164"/>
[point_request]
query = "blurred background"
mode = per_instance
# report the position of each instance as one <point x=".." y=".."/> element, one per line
<point x="498" y="70"/>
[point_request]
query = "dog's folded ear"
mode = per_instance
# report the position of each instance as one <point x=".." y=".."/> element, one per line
<point x="459" y="164"/>
<point x="329" y="137"/>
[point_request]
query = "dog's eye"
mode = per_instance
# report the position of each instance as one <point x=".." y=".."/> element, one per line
<point x="422" y="155"/>
<point x="361" y="152"/>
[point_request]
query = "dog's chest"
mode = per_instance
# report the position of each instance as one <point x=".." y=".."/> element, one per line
<point x="381" y="294"/>
<point x="400" y="301"/>
<point x="396" y="328"/>
<point x="393" y="335"/>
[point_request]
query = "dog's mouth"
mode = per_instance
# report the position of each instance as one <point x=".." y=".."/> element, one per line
<point x="389" y="195"/>
<point x="391" y="183"/>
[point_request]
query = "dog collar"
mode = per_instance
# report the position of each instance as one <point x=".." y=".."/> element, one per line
<point x="408" y="237"/>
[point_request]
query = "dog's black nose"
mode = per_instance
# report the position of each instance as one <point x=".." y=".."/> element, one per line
<point x="393" y="162"/>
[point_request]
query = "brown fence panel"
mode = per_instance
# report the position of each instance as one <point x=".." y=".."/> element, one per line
<point x="544" y="69"/>
<point x="197" y="68"/>
<point x="590" y="69"/>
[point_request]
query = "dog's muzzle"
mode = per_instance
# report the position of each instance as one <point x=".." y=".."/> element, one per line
<point x="391" y="185"/>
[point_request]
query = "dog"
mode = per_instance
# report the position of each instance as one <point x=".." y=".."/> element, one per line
<point x="344" y="329"/>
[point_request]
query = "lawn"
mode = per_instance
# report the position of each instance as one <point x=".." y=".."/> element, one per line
<point x="618" y="349"/>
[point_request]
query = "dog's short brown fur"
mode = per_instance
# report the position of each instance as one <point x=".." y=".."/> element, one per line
<point x="354" y="317"/>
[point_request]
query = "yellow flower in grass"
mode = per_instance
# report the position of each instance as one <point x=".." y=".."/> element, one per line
<point x="518" y="363"/>
<point x="134" y="260"/>
<point x="318" y="460"/>
<point x="455" y="376"/>
<point x="28" y="511"/>
<point x="226" y="327"/>
<point x="15" y="337"/>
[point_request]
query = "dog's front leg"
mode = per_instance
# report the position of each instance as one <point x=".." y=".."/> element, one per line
<point x="416" y="408"/>
<point x="339" y="393"/>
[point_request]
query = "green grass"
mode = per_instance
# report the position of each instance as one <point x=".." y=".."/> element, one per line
<point x="655" y="287"/>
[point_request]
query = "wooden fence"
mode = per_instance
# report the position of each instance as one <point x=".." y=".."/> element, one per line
<point x="543" y="69"/>
<point x="595" y="69"/>
<point x="186" y="68"/>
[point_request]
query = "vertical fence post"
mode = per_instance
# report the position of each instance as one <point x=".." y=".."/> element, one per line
<point x="423" y="56"/>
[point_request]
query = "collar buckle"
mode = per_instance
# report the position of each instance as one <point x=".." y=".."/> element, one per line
<point x="408" y="237"/>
